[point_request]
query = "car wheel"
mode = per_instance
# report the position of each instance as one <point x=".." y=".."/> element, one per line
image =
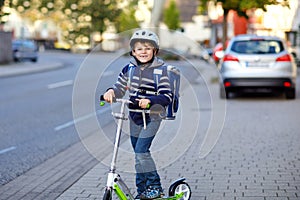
<point x="290" y="93"/>
<point x="224" y="94"/>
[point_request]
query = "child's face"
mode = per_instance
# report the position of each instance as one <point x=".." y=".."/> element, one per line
<point x="143" y="51"/>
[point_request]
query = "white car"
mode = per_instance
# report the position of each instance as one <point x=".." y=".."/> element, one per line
<point x="252" y="61"/>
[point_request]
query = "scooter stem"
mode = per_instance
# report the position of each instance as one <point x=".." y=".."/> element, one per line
<point x="118" y="137"/>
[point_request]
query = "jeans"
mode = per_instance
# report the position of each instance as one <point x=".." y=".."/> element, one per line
<point x="141" y="139"/>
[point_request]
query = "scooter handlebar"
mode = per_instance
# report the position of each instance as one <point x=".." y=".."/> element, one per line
<point x="126" y="101"/>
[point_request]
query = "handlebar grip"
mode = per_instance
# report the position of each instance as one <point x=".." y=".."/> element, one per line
<point x="102" y="97"/>
<point x="136" y="103"/>
<point x="102" y="100"/>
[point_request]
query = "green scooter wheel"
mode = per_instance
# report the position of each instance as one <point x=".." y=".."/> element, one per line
<point x="182" y="188"/>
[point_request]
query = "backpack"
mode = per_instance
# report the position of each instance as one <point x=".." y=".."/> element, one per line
<point x="174" y="77"/>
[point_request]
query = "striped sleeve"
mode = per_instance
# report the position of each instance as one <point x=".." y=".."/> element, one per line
<point x="120" y="87"/>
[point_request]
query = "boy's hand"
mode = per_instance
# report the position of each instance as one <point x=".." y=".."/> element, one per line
<point x="109" y="96"/>
<point x="144" y="103"/>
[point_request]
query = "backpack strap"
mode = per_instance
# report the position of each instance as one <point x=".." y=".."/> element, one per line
<point x="130" y="72"/>
<point x="157" y="73"/>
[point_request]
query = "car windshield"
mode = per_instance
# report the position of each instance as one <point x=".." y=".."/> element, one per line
<point x="257" y="46"/>
<point x="26" y="44"/>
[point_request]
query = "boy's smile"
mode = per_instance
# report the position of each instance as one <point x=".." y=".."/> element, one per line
<point x="143" y="51"/>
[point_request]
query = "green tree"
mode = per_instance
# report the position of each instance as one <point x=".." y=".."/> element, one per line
<point x="83" y="16"/>
<point x="127" y="20"/>
<point x="241" y="7"/>
<point x="1" y="5"/>
<point x="171" y="16"/>
<point x="2" y="12"/>
<point x="102" y="13"/>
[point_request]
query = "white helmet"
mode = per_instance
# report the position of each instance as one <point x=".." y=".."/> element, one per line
<point x="144" y="35"/>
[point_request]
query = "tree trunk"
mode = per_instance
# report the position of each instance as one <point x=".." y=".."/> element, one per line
<point x="225" y="27"/>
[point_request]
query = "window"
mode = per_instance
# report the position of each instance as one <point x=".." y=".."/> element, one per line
<point x="257" y="47"/>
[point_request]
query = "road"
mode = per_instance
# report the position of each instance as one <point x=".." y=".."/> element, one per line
<point x="259" y="135"/>
<point x="31" y="107"/>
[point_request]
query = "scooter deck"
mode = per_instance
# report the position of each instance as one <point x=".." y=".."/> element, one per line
<point x="163" y="198"/>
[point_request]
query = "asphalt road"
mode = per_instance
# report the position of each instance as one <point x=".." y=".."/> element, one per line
<point x="30" y="110"/>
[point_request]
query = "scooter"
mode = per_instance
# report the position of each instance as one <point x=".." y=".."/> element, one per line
<point x="178" y="190"/>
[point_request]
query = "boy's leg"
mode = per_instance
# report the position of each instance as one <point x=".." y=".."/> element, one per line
<point x="140" y="178"/>
<point x="144" y="162"/>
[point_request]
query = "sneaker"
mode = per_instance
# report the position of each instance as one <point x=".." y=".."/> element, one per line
<point x="138" y="197"/>
<point x="151" y="193"/>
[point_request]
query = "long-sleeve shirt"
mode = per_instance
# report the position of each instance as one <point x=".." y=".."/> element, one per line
<point x="141" y="83"/>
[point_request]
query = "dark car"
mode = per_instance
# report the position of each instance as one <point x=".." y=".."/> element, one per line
<point x="24" y="50"/>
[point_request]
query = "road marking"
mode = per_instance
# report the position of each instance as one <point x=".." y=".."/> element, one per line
<point x="85" y="117"/>
<point x="60" y="84"/>
<point x="7" y="149"/>
<point x="71" y="123"/>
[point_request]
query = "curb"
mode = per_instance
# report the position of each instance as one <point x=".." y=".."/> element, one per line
<point x="27" y="68"/>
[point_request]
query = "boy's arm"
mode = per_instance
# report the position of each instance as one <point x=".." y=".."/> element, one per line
<point x="120" y="86"/>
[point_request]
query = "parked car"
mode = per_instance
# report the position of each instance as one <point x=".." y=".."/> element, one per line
<point x="24" y="50"/>
<point x="218" y="51"/>
<point x="295" y="51"/>
<point x="253" y="61"/>
<point x="61" y="45"/>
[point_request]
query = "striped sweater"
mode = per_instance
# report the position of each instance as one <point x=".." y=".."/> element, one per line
<point x="141" y="80"/>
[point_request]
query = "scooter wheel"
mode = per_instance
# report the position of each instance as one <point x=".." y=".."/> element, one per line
<point x="182" y="187"/>
<point x="107" y="194"/>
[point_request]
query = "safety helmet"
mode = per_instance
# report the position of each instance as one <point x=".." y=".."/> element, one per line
<point x="144" y="35"/>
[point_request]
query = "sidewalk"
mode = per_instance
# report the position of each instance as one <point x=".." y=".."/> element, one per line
<point x="244" y="165"/>
<point x="76" y="174"/>
<point x="19" y="68"/>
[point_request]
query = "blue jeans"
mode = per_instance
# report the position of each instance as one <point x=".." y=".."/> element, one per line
<point x="141" y="139"/>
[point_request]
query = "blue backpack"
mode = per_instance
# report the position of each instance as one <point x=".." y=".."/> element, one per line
<point x="174" y="77"/>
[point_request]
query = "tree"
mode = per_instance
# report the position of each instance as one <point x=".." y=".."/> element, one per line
<point x="127" y="20"/>
<point x="241" y="7"/>
<point x="79" y="18"/>
<point x="171" y="16"/>
<point x="3" y="3"/>
<point x="102" y="12"/>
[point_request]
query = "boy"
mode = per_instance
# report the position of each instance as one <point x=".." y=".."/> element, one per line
<point x="138" y="78"/>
